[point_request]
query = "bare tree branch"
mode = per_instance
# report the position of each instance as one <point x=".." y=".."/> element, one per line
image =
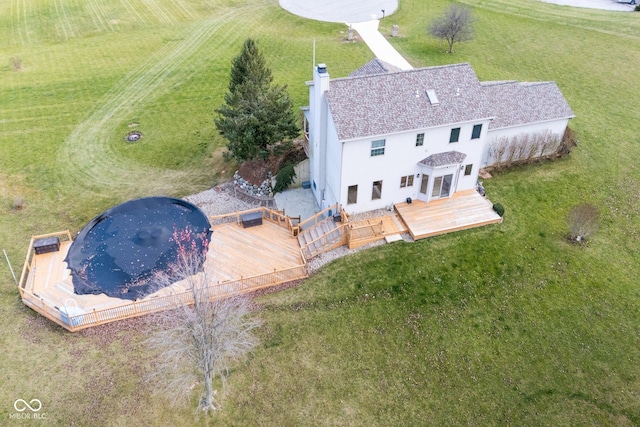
<point x="454" y="26"/>
<point x="582" y="221"/>
<point x="198" y="341"/>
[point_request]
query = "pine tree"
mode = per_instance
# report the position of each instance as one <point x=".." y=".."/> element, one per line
<point x="256" y="114"/>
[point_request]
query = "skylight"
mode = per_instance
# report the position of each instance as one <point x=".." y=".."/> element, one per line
<point x="433" y="98"/>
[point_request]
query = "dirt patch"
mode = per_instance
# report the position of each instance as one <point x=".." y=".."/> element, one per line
<point x="256" y="171"/>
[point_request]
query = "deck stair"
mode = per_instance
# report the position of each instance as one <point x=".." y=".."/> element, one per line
<point x="323" y="236"/>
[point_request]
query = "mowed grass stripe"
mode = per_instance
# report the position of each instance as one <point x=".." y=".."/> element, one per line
<point x="87" y="152"/>
<point x="98" y="16"/>
<point x="63" y="24"/>
<point x="157" y="10"/>
<point x="67" y="19"/>
<point x="134" y="12"/>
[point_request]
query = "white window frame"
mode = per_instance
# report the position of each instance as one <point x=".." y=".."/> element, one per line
<point x="377" y="147"/>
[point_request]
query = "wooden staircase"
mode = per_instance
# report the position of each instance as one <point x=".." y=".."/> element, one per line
<point x="321" y="237"/>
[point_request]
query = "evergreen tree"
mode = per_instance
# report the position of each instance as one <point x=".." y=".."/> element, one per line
<point x="256" y="114"/>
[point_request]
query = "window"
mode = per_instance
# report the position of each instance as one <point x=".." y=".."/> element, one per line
<point x="467" y="170"/>
<point x="424" y="183"/>
<point x="406" y="181"/>
<point x="377" y="147"/>
<point x="420" y="140"/>
<point x="376" y="192"/>
<point x="352" y="195"/>
<point x="455" y="135"/>
<point x="477" y="130"/>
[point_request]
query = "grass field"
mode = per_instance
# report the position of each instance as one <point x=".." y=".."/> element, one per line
<point x="507" y="324"/>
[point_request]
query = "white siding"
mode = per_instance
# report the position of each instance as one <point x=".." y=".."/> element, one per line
<point x="400" y="159"/>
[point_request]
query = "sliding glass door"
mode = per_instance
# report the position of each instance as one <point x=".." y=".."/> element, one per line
<point x="441" y="186"/>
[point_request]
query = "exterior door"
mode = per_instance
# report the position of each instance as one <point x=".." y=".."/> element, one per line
<point x="441" y="186"/>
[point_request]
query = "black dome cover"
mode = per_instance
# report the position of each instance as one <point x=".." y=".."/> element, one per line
<point x="119" y="250"/>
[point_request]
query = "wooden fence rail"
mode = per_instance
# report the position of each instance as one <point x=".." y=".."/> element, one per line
<point x="73" y="321"/>
<point x="77" y="322"/>
<point x="138" y="308"/>
<point x="277" y="217"/>
<point x="26" y="276"/>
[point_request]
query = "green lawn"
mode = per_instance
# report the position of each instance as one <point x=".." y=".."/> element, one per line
<point x="507" y="324"/>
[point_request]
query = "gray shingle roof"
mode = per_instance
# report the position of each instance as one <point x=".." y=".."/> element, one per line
<point x="516" y="103"/>
<point x="379" y="104"/>
<point x="444" y="159"/>
<point x="375" y="66"/>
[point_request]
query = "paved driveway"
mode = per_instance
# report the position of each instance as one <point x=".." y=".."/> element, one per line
<point x="351" y="11"/>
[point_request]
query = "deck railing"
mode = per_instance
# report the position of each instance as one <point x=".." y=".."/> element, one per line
<point x="330" y="240"/>
<point x="313" y="220"/>
<point x="74" y="322"/>
<point x="26" y="276"/>
<point x="363" y="234"/>
<point x="223" y="289"/>
<point x="275" y="216"/>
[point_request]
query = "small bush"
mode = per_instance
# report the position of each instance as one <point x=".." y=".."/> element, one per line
<point x="582" y="221"/>
<point x="284" y="178"/>
<point x="637" y="9"/>
<point x="499" y="209"/>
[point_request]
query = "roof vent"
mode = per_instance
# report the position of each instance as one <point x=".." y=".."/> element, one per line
<point x="322" y="68"/>
<point x="433" y="98"/>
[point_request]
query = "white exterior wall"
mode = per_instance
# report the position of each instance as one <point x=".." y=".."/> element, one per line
<point x="556" y="127"/>
<point x="333" y="165"/>
<point x="401" y="158"/>
<point x="317" y="119"/>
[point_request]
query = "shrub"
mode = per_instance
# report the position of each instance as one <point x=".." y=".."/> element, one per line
<point x="284" y="178"/>
<point x="499" y="209"/>
<point x="582" y="221"/>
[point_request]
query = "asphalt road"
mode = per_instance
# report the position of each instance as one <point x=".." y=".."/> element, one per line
<point x="351" y="11"/>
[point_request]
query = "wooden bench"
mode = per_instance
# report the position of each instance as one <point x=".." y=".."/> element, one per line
<point x="251" y="219"/>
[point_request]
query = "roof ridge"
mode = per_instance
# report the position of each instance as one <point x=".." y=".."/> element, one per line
<point x="413" y="70"/>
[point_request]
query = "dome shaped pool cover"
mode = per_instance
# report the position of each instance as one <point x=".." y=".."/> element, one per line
<point x="122" y="248"/>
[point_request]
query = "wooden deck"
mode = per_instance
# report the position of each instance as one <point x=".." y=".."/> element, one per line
<point x="464" y="210"/>
<point x="370" y="230"/>
<point x="236" y="252"/>
<point x="239" y="260"/>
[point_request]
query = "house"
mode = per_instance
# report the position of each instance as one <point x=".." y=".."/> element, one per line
<point x="383" y="135"/>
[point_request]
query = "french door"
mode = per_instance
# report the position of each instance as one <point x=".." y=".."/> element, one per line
<point x="441" y="186"/>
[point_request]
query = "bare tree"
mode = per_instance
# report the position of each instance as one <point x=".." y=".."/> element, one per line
<point x="582" y="221"/>
<point x="202" y="337"/>
<point x="454" y="26"/>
